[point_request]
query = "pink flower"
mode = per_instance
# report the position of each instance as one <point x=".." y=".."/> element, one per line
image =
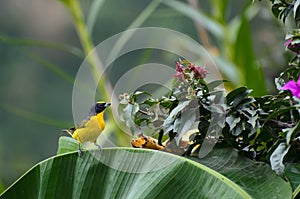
<point x="179" y="76"/>
<point x="294" y="87"/>
<point x="292" y="46"/>
<point x="179" y="67"/>
<point x="288" y="42"/>
<point x="179" y="72"/>
<point x="199" y="71"/>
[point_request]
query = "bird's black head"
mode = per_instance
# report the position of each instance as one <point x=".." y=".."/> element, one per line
<point x="101" y="106"/>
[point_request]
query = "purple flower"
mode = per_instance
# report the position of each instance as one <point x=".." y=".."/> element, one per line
<point x="294" y="87"/>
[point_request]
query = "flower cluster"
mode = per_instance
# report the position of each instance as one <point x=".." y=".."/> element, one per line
<point x="185" y="68"/>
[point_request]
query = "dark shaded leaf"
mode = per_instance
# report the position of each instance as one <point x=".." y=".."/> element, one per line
<point x="277" y="9"/>
<point x="236" y="96"/>
<point x="255" y="177"/>
<point x="292" y="132"/>
<point x="292" y="172"/>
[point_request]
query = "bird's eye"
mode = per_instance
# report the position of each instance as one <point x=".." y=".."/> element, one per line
<point x="99" y="108"/>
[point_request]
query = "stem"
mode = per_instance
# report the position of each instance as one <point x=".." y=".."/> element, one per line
<point x="87" y="45"/>
<point x="291" y="112"/>
<point x="75" y="10"/>
<point x="143" y="112"/>
<point x="277" y="124"/>
<point x="104" y="87"/>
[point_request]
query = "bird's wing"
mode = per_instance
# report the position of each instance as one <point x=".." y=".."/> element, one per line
<point x="83" y="122"/>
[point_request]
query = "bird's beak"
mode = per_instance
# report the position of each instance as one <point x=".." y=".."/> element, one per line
<point x="107" y="104"/>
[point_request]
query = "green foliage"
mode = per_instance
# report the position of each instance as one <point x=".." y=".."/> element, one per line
<point x="138" y="174"/>
<point x="282" y="9"/>
<point x="261" y="128"/>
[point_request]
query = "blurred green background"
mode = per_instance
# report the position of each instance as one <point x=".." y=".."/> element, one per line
<point x="40" y="55"/>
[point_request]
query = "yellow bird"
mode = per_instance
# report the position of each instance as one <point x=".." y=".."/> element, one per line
<point x="90" y="128"/>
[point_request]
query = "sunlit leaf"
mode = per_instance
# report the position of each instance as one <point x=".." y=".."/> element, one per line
<point x="187" y="119"/>
<point x="276" y="159"/>
<point x="168" y="123"/>
<point x="123" y="173"/>
<point x="127" y="115"/>
<point x="66" y="144"/>
<point x="292" y="132"/>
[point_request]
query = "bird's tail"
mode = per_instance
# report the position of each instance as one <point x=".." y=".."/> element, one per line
<point x="69" y="131"/>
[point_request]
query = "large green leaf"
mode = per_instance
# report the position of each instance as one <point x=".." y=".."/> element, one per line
<point x="122" y="173"/>
<point x="138" y="173"/>
<point x="256" y="178"/>
<point x="292" y="172"/>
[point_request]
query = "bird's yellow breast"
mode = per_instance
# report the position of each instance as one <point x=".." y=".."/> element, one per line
<point x="91" y="130"/>
<point x="100" y="119"/>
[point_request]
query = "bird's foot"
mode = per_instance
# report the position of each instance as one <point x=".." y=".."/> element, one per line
<point x="99" y="147"/>
<point x="80" y="153"/>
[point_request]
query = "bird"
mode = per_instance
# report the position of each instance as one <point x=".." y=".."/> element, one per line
<point x="89" y="129"/>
